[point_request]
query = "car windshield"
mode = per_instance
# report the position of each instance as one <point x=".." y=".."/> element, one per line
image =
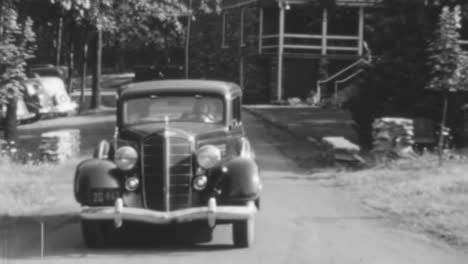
<point x="189" y="108"/>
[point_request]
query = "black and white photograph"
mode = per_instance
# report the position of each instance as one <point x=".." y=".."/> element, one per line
<point x="234" y="131"/>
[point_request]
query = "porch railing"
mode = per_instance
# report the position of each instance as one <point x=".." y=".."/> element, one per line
<point x="308" y="43"/>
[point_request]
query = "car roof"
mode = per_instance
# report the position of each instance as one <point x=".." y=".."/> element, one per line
<point x="189" y="85"/>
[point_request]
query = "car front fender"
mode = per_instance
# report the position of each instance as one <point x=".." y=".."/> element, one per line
<point x="240" y="180"/>
<point x="95" y="173"/>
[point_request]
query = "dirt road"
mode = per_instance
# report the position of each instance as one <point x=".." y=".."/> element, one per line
<point x="303" y="220"/>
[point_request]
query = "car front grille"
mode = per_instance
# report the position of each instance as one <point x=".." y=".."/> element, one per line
<point x="167" y="172"/>
<point x="153" y="171"/>
<point x="180" y="172"/>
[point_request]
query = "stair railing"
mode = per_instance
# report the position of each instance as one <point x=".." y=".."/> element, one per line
<point x="343" y="71"/>
<point x="366" y="60"/>
<point x="338" y="82"/>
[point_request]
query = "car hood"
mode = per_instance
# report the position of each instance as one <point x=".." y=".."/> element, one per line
<point x="52" y="86"/>
<point x="192" y="128"/>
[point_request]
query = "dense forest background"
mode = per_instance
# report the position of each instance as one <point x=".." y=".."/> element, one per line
<point x="124" y="34"/>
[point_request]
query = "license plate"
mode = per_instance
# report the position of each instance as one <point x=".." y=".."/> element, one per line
<point x="104" y="196"/>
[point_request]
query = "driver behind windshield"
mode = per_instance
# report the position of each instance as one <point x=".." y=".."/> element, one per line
<point x="176" y="108"/>
<point x="204" y="110"/>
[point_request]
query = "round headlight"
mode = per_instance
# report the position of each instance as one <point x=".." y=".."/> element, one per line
<point x="200" y="182"/>
<point x="131" y="184"/>
<point x="126" y="158"/>
<point x="208" y="156"/>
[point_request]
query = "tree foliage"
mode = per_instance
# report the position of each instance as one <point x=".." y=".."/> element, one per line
<point x="17" y="45"/>
<point x="210" y="60"/>
<point x="88" y="12"/>
<point x="410" y="59"/>
<point x="132" y="20"/>
<point x="447" y="60"/>
<point x="147" y="23"/>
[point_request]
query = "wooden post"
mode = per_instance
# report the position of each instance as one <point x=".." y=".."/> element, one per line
<point x="260" y="31"/>
<point x="280" y="52"/>
<point x="324" y="30"/>
<point x="59" y="41"/>
<point x="187" y="40"/>
<point x="361" y="31"/>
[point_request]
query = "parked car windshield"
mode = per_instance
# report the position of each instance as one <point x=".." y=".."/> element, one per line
<point x="194" y="108"/>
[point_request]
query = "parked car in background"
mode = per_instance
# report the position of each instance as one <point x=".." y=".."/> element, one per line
<point x="27" y="106"/>
<point x="152" y="72"/>
<point x="179" y="157"/>
<point x="48" y="70"/>
<point x="43" y="94"/>
<point x="24" y="114"/>
<point x="52" y="96"/>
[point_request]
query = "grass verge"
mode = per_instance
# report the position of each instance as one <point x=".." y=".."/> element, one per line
<point x="26" y="189"/>
<point x="424" y="196"/>
<point x="34" y="190"/>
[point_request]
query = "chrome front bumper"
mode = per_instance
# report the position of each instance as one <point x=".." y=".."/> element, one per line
<point x="211" y="213"/>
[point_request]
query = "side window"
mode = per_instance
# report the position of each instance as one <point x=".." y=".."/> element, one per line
<point x="236" y="109"/>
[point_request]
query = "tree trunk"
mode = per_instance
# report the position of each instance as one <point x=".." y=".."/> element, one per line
<point x="10" y="124"/>
<point x="96" y="96"/>
<point x="71" y="57"/>
<point x="1" y="18"/>
<point x="83" y="73"/>
<point x="59" y="42"/>
<point x="187" y="40"/>
<point x="442" y="128"/>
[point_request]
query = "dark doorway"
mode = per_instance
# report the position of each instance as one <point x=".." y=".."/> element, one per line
<point x="300" y="76"/>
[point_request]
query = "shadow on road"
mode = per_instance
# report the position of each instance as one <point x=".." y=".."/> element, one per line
<point x="20" y="239"/>
<point x="280" y="151"/>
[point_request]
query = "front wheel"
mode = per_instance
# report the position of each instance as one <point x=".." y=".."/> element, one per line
<point x="97" y="234"/>
<point x="243" y="233"/>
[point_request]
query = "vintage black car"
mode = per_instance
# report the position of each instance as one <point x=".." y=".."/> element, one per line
<point x="179" y="156"/>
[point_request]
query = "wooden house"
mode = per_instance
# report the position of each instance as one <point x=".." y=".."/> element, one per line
<point x="307" y="45"/>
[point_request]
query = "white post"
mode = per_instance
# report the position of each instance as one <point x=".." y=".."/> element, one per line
<point x="280" y="51"/>
<point x="324" y="31"/>
<point x="42" y="238"/>
<point x="361" y="30"/>
<point x="260" y="31"/>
